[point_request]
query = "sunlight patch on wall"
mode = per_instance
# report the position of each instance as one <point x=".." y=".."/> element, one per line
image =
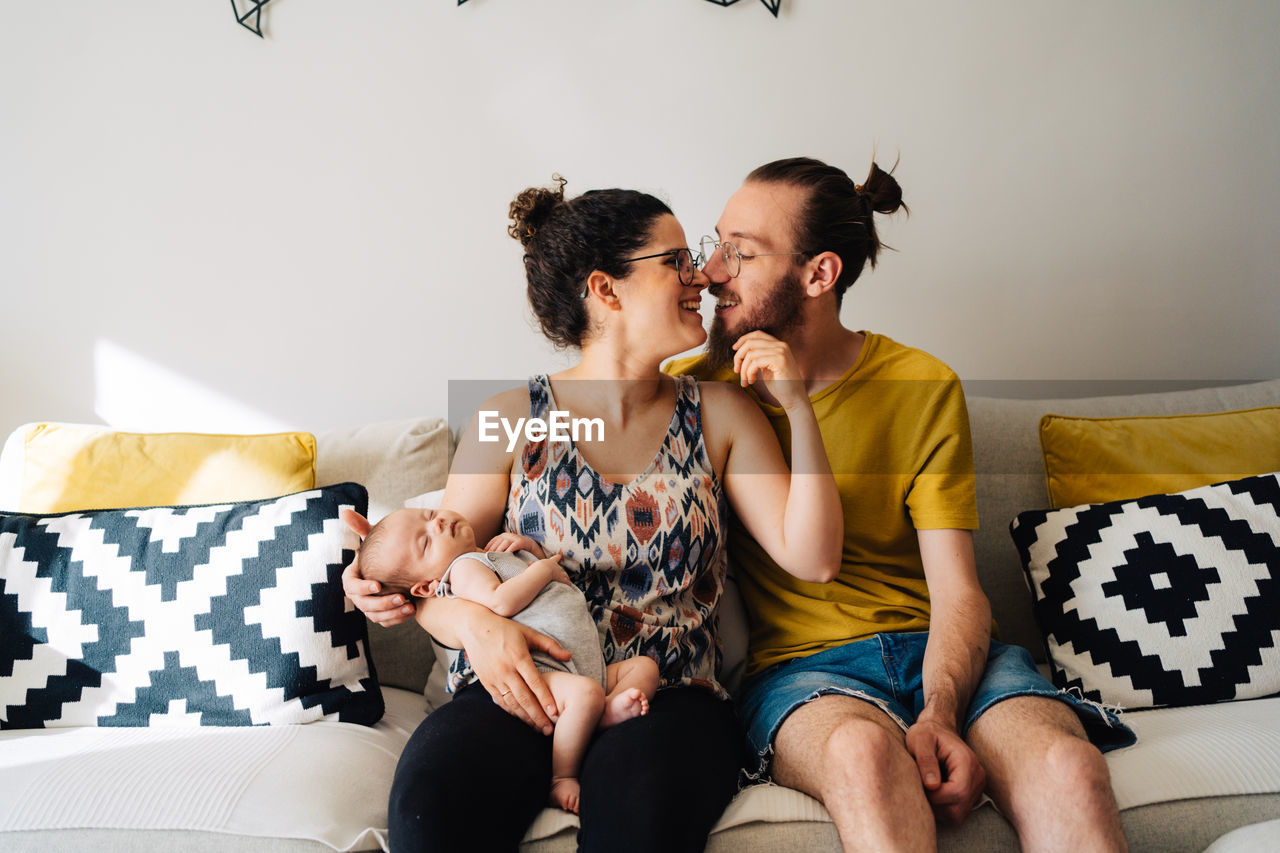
<point x="132" y="392"/>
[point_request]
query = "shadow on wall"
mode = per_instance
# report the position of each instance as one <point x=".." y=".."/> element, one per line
<point x="133" y="392"/>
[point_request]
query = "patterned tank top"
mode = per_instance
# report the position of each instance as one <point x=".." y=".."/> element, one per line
<point x="647" y="554"/>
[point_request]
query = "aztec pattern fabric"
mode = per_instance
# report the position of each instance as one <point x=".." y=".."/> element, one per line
<point x="227" y="615"/>
<point x="1163" y="600"/>
<point x="647" y="554"/>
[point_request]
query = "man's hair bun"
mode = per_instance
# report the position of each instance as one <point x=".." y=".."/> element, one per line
<point x="881" y="190"/>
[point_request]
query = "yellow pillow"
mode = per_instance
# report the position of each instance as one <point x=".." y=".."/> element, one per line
<point x="68" y="467"/>
<point x="1093" y="460"/>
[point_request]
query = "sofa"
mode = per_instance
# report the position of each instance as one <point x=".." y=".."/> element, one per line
<point x="1196" y="773"/>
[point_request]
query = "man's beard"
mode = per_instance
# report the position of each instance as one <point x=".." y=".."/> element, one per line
<point x="778" y="313"/>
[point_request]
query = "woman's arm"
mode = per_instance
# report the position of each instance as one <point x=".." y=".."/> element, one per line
<point x="497" y="648"/>
<point x="794" y="514"/>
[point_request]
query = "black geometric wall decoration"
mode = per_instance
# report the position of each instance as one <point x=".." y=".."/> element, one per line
<point x="251" y="18"/>
<point x="252" y="12"/>
<point x="771" y="5"/>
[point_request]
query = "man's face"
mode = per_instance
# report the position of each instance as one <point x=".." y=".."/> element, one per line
<point x="767" y="293"/>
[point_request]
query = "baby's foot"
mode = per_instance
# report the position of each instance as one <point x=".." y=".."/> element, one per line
<point x="564" y="793"/>
<point x="623" y="706"/>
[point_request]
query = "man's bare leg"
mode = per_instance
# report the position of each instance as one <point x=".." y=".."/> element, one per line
<point x="1045" y="776"/>
<point x="852" y="756"/>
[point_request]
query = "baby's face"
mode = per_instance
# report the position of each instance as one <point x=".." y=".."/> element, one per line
<point x="426" y="541"/>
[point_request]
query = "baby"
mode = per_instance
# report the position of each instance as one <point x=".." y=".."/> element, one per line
<point x="433" y="552"/>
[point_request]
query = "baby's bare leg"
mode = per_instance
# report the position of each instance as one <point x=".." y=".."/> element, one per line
<point x="632" y="683"/>
<point x="580" y="700"/>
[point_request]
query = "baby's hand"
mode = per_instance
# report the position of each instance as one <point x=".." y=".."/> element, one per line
<point x="514" y="542"/>
<point x="552" y="564"/>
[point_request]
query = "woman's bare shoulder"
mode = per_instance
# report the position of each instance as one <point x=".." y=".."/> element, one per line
<point x="724" y="398"/>
<point x="726" y="408"/>
<point x="510" y="403"/>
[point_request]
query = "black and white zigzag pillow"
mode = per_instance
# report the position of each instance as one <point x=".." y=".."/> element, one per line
<point x="225" y="615"/>
<point x="1162" y="600"/>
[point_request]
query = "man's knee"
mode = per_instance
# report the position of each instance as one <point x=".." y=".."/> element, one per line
<point x="836" y="744"/>
<point x="1038" y="741"/>
<point x="1075" y="764"/>
<point x="860" y="742"/>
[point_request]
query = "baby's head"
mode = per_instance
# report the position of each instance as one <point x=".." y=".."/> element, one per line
<point x="408" y="551"/>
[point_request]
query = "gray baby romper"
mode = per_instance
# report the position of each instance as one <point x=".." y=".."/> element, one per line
<point x="559" y="611"/>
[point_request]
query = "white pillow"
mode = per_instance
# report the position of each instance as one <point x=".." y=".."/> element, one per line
<point x="427" y="500"/>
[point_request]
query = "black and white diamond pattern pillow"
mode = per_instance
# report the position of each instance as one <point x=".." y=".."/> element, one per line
<point x="1163" y="600"/>
<point x="227" y="615"/>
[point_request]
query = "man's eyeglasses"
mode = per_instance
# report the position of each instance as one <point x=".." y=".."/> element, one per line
<point x="686" y="263"/>
<point x="732" y="257"/>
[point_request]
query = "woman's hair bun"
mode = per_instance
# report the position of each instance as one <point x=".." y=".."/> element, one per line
<point x="532" y="207"/>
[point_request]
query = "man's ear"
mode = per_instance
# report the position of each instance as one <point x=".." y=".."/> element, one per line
<point x="600" y="286"/>
<point x="356" y="522"/>
<point x="823" y="273"/>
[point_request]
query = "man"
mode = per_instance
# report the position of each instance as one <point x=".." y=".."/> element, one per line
<point x="881" y="694"/>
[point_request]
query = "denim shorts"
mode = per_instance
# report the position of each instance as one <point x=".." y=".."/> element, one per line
<point x="886" y="670"/>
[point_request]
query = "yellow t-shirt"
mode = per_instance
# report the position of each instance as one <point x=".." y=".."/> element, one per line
<point x="896" y="432"/>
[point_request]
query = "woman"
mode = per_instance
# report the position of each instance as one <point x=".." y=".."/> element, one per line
<point x="637" y="515"/>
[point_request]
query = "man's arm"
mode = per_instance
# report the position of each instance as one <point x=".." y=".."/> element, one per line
<point x="954" y="660"/>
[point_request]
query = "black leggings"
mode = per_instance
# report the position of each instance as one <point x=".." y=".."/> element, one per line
<point x="473" y="777"/>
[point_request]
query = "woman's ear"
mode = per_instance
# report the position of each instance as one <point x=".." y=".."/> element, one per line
<point x="356" y="522"/>
<point x="823" y="273"/>
<point x="600" y="287"/>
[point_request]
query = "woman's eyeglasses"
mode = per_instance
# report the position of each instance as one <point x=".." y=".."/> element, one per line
<point x="686" y="263"/>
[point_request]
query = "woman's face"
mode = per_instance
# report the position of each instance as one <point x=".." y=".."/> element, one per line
<point x="658" y="312"/>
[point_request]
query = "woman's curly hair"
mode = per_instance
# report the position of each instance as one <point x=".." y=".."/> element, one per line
<point x="565" y="240"/>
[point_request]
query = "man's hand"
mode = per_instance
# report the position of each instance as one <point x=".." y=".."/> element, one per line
<point x="367" y="596"/>
<point x="953" y="777"/>
<point x="508" y="541"/>
<point x="499" y="650"/>
<point x="759" y="355"/>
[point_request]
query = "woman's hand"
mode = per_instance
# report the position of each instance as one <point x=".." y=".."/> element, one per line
<point x="507" y="541"/>
<point x="760" y="356"/>
<point x="367" y="596"/>
<point x="499" y="652"/>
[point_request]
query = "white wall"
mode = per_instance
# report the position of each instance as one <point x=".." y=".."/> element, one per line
<point x="202" y="229"/>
